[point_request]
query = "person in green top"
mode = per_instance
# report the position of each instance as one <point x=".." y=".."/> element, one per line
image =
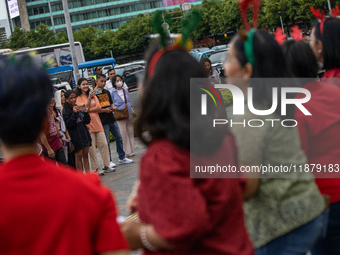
<point x="285" y="212"/>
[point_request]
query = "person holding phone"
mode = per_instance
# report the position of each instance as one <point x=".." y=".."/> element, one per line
<point x="76" y="118"/>
<point x="108" y="119"/>
<point x="87" y="98"/>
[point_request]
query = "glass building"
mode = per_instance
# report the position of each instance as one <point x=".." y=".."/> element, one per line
<point x="102" y="14"/>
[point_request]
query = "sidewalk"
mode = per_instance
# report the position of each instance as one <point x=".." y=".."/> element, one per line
<point x="122" y="180"/>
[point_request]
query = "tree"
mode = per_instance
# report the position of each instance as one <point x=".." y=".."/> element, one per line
<point x="18" y="39"/>
<point x="3" y="40"/>
<point x="61" y="37"/>
<point x="42" y="35"/>
<point x="86" y="36"/>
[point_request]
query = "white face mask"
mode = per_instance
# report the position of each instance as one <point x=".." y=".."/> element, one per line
<point x="119" y="84"/>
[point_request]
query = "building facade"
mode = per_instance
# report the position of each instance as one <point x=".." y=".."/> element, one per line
<point x="4" y="20"/>
<point x="101" y="14"/>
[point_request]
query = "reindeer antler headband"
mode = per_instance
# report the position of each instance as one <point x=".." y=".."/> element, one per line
<point x="320" y="15"/>
<point x="248" y="43"/>
<point x="188" y="25"/>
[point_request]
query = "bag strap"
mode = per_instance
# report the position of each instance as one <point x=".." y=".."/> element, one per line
<point x="124" y="96"/>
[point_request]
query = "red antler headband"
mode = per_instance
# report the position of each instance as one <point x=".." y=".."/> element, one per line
<point x="279" y="36"/>
<point x="244" y="7"/>
<point x="296" y="34"/>
<point x="335" y="12"/>
<point x="319" y="16"/>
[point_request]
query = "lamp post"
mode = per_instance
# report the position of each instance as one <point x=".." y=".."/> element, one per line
<point x="52" y="22"/>
<point x="281" y="22"/>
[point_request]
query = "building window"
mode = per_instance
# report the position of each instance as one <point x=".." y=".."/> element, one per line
<point x="133" y="8"/>
<point x="32" y="25"/>
<point x="117" y="11"/>
<point x="122" y="10"/>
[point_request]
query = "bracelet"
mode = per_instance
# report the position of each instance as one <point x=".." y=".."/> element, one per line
<point x="145" y="240"/>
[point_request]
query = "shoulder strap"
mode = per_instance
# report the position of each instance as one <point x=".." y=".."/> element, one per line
<point x="124" y="95"/>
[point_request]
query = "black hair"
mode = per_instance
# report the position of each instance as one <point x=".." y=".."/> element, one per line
<point x="78" y="90"/>
<point x="269" y="63"/>
<point x="100" y="75"/>
<point x="301" y="61"/>
<point x="111" y="69"/>
<point x="114" y="80"/>
<point x="167" y="109"/>
<point x="202" y="62"/>
<point x="331" y="43"/>
<point x="67" y="107"/>
<point x="25" y="92"/>
<point x="317" y="32"/>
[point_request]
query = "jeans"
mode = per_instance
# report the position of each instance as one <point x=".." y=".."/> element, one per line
<point x="298" y="241"/>
<point x="114" y="129"/>
<point x="330" y="245"/>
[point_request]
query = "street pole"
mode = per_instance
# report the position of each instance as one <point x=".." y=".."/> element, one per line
<point x="52" y="22"/>
<point x="70" y="40"/>
<point x="329" y="5"/>
<point x="282" y="24"/>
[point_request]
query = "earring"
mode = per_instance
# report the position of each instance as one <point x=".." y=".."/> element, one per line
<point x="319" y="51"/>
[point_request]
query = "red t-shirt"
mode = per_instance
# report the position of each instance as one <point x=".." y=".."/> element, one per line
<point x="319" y="134"/>
<point x="46" y="209"/>
<point x="198" y="216"/>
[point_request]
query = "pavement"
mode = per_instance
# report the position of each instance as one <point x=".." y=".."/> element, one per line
<point x="122" y="180"/>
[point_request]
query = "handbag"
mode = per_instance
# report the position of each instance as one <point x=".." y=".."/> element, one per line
<point x="123" y="113"/>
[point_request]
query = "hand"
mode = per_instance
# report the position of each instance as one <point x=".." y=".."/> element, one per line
<point x="50" y="153"/>
<point x="91" y="94"/>
<point x="131" y="205"/>
<point x="131" y="230"/>
<point x="75" y="109"/>
<point x="68" y="139"/>
<point x="63" y="139"/>
<point x="107" y="110"/>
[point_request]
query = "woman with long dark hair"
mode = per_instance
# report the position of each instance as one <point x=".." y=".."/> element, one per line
<point x="281" y="206"/>
<point x="319" y="135"/>
<point x="212" y="73"/>
<point x="121" y="99"/>
<point x="87" y="98"/>
<point x="76" y="118"/>
<point x="179" y="214"/>
<point x="325" y="41"/>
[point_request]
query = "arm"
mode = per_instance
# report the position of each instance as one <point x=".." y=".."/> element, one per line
<point x="87" y="118"/>
<point x="97" y="108"/>
<point x="47" y="145"/>
<point x="70" y="119"/>
<point x="115" y="253"/>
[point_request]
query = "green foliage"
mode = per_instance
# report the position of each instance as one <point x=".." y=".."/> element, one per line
<point x="3" y="40"/>
<point x="227" y="97"/>
<point x="218" y="16"/>
<point x="18" y="39"/>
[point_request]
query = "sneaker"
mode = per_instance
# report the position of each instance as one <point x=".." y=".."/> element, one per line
<point x="125" y="161"/>
<point x="112" y="165"/>
<point x="131" y="154"/>
<point x="99" y="172"/>
<point x="108" y="169"/>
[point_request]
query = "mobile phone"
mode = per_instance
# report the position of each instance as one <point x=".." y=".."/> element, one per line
<point x="82" y="108"/>
<point x="98" y="91"/>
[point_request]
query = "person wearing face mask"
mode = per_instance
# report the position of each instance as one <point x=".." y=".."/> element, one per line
<point x="121" y="99"/>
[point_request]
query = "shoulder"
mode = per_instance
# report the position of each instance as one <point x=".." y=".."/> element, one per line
<point x="166" y="156"/>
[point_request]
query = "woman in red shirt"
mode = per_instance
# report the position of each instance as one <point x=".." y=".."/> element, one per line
<point x="319" y="134"/>
<point x="181" y="214"/>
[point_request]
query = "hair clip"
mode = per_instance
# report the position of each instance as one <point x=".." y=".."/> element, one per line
<point x="279" y="36"/>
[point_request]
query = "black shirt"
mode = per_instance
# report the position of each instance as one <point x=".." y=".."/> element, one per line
<point x="105" y="101"/>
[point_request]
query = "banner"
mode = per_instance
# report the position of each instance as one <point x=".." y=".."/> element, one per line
<point x="175" y="2"/>
<point x="13" y="8"/>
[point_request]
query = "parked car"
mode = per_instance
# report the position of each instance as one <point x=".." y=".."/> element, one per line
<point x="131" y="79"/>
<point x="199" y="55"/>
<point x="217" y="59"/>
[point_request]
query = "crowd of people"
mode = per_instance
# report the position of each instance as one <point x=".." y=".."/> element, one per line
<point x="81" y="121"/>
<point x="255" y="214"/>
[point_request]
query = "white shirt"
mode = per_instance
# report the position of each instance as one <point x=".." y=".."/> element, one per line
<point x="108" y="85"/>
<point x="121" y="94"/>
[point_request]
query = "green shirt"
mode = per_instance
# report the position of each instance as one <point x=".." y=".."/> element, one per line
<point x="281" y="204"/>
